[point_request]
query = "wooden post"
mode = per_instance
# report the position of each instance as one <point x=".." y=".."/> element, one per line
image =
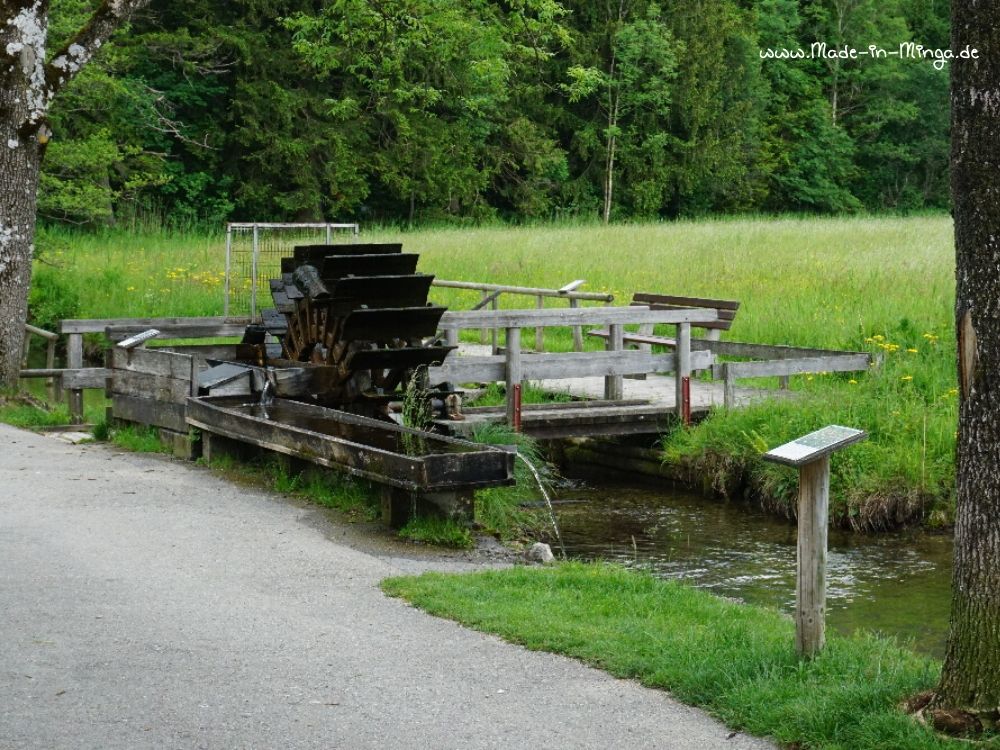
<point x="484" y="332"/>
<point x="577" y="330"/>
<point x="810" y="599"/>
<point x="54" y="385"/>
<point x="783" y="382"/>
<point x="613" y="388"/>
<point x="495" y="333"/>
<point x="540" y="330"/>
<point x="682" y="354"/>
<point x="451" y="337"/>
<point x="728" y="386"/>
<point x="513" y="370"/>
<point x="74" y="361"/>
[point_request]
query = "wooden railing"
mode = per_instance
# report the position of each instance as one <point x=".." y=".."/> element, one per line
<point x="778" y="361"/>
<point x="491" y="297"/>
<point x="514" y="366"/>
<point x="53" y="383"/>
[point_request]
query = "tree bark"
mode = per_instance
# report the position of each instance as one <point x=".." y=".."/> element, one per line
<point x="27" y="86"/>
<point x="971" y="676"/>
<point x="23" y="31"/>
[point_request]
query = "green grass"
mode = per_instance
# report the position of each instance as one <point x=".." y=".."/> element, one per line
<point x="438" y="531"/>
<point x="878" y="284"/>
<point x="736" y="661"/>
<point x="137" y="438"/>
<point x="499" y="509"/>
<point x="328" y="488"/>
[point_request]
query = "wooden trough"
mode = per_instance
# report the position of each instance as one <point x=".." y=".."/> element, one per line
<point x="417" y="471"/>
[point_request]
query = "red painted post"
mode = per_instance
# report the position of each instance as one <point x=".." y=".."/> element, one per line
<point x="686" y="400"/>
<point x="517" y="407"/>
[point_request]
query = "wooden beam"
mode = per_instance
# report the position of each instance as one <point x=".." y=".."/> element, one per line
<point x="778" y="367"/>
<point x="571" y="316"/>
<point x="149" y="412"/>
<point x="528" y="290"/>
<point x="98" y="325"/>
<point x="552" y="366"/>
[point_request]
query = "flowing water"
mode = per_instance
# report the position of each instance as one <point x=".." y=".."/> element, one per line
<point x="897" y="584"/>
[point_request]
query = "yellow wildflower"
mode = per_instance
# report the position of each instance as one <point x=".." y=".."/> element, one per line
<point x="907" y="377"/>
<point x="912" y="351"/>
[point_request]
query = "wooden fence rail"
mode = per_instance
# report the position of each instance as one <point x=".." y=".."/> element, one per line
<point x="491" y="296"/>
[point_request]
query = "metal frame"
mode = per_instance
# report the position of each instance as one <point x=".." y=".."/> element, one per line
<point x="255" y="227"/>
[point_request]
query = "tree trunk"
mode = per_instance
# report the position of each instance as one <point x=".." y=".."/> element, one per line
<point x="22" y="80"/>
<point x="971" y="676"/>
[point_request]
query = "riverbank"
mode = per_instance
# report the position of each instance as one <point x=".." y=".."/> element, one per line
<point x="872" y="284"/>
<point x="736" y="661"/>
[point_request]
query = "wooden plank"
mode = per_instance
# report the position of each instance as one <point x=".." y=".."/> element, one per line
<point x="168" y="364"/>
<point x="528" y="290"/>
<point x="647" y="298"/>
<point x="763" y="351"/>
<point x="196" y="329"/>
<point x="149" y="412"/>
<point x="98" y="325"/>
<point x="86" y="377"/>
<point x="152" y="387"/>
<point x="570" y="316"/>
<point x="554" y="366"/>
<point x="770" y="368"/>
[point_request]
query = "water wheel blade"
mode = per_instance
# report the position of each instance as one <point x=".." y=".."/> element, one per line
<point x="382" y="291"/>
<point x="408" y="357"/>
<point x="316" y="253"/>
<point x="391" y="323"/>
<point x="337" y="266"/>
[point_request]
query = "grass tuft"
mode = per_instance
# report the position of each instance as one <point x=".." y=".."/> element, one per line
<point x="439" y="531"/>
<point x="735" y="660"/>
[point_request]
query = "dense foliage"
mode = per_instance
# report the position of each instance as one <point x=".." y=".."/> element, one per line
<point x="469" y="110"/>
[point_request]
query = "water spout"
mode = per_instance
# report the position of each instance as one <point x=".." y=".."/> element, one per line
<point x="548" y="502"/>
<point x="267" y="393"/>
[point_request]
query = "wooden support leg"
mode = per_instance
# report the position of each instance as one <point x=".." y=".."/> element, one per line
<point x="577" y="330"/>
<point x="74" y="361"/>
<point x="613" y="388"/>
<point x="513" y="369"/>
<point x="810" y="605"/>
<point x="539" y="330"/>
<point x="729" y="386"/>
<point x="682" y="369"/>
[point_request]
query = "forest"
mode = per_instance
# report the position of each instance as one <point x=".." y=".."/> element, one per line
<point x="465" y="111"/>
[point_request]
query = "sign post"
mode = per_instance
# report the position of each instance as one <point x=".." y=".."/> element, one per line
<point x="811" y="455"/>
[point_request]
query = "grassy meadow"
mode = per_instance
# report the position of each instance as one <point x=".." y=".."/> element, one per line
<point x="870" y="284"/>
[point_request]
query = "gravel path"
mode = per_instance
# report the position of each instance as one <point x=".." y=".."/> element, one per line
<point x="146" y="603"/>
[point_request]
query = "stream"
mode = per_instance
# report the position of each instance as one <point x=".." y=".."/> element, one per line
<point x="897" y="584"/>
